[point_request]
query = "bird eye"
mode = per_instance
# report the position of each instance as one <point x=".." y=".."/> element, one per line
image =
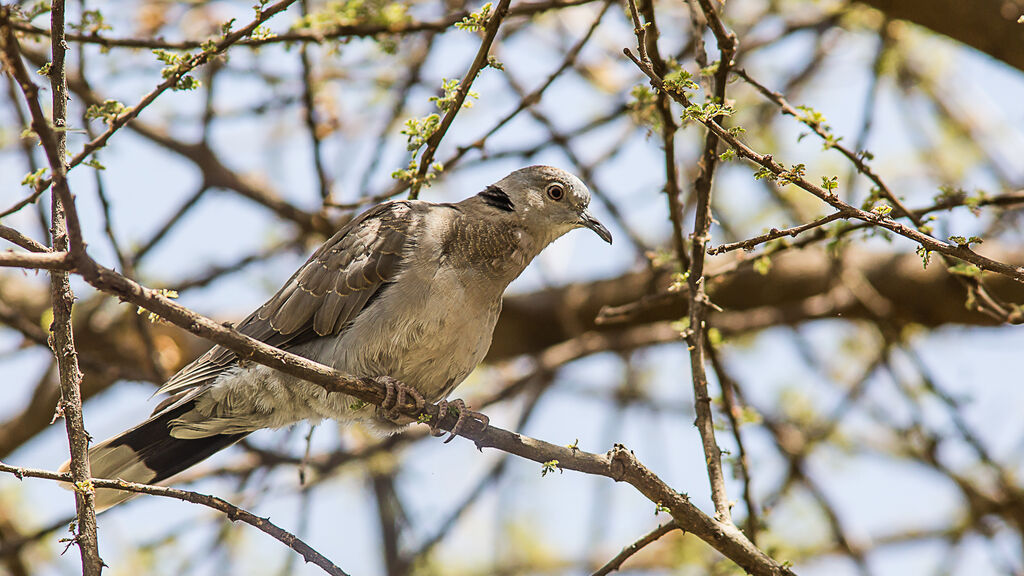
<point x="556" y="192"/>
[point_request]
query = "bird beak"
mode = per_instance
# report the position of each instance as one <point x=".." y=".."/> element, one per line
<point x="587" y="220"/>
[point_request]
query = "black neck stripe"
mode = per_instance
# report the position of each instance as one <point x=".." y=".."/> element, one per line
<point x="496" y="197"/>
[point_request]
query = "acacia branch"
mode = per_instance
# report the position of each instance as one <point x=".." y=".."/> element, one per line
<point x="305" y="36"/>
<point x="928" y="243"/>
<point x="37" y="260"/>
<point x="234" y="513"/>
<point x="479" y="62"/>
<point x="619" y="464"/>
<point x="649" y="538"/>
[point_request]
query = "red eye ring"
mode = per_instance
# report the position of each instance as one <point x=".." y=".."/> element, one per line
<point x="556" y="192"/>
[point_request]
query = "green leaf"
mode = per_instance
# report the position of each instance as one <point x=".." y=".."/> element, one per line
<point x="965" y="269"/>
<point x="476" y="21"/>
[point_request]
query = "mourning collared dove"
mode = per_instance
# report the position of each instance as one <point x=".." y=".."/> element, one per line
<point x="409" y="290"/>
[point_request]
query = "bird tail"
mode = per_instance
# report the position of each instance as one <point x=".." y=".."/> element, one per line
<point x="148" y="454"/>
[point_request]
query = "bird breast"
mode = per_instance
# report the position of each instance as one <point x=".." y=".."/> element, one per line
<point x="429" y="329"/>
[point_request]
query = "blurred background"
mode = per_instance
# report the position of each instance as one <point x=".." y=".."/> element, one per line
<point x="870" y="414"/>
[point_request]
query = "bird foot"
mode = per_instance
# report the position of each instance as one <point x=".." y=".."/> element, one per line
<point x="395" y="396"/>
<point x="465" y="414"/>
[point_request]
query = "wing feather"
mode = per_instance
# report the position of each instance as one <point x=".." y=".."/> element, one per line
<point x="323" y="296"/>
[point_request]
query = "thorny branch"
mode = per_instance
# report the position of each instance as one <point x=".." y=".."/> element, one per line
<point x="479" y="62"/>
<point x="234" y="513"/>
<point x="61" y="340"/>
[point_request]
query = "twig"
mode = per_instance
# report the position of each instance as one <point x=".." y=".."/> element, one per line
<point x="733" y="408"/>
<point x="16" y="237"/>
<point x="619" y="464"/>
<point x="234" y="513"/>
<point x="490" y="32"/>
<point x="985" y="301"/>
<point x="170" y="81"/>
<point x="309" y="114"/>
<point x="642" y="542"/>
<point x="360" y="30"/>
<point x="37" y="260"/>
<point x="695" y="280"/>
<point x="775" y="233"/>
<point x="766" y="161"/>
<point x="62" y="336"/>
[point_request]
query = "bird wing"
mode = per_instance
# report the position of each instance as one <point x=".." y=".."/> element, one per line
<point x="324" y="296"/>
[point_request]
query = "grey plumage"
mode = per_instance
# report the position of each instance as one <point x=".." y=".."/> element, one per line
<point x="409" y="289"/>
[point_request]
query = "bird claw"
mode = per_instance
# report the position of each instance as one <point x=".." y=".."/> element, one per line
<point x="395" y="394"/>
<point x="464" y="414"/>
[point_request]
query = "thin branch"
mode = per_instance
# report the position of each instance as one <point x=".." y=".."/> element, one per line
<point x="234" y="513"/>
<point x="62" y="339"/>
<point x="37" y="260"/>
<point x="986" y="302"/>
<point x="172" y="79"/>
<point x="309" y="115"/>
<point x="928" y="243"/>
<point x="619" y="464"/>
<point x="479" y="62"/>
<point x="360" y="30"/>
<point x="16" y="237"/>
<point x="775" y="234"/>
<point x="642" y="542"/>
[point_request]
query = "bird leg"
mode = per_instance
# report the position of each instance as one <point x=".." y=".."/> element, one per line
<point x="464" y="415"/>
<point x="395" y="393"/>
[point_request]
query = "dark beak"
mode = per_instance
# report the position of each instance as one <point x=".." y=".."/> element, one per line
<point x="587" y="220"/>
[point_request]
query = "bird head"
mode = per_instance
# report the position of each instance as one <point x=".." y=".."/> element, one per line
<point x="548" y="201"/>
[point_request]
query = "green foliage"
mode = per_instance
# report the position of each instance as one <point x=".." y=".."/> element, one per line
<point x="830" y="183"/>
<point x="153" y="316"/>
<point x="451" y="91"/>
<point x="339" y="13"/>
<point x="493" y="62"/>
<point x="728" y="155"/>
<point x="44" y="70"/>
<point x="108" y="111"/>
<point x="874" y="195"/>
<point x="261" y="33"/>
<point x="549" y="467"/>
<point x="882" y="210"/>
<point x="812" y="118"/>
<point x="925" y="254"/>
<point x="764" y="173"/>
<point x="476" y="21"/>
<point x="411" y="174"/>
<point x="794" y="174"/>
<point x="643" y="107"/>
<point x="419" y="130"/>
<point x="33" y="178"/>
<point x="715" y="337"/>
<point x="37" y="8"/>
<point x="259" y="7"/>
<point x="707" y="112"/>
<point x="176" y="64"/>
<point x="679" y="81"/>
<point x="962" y="242"/>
